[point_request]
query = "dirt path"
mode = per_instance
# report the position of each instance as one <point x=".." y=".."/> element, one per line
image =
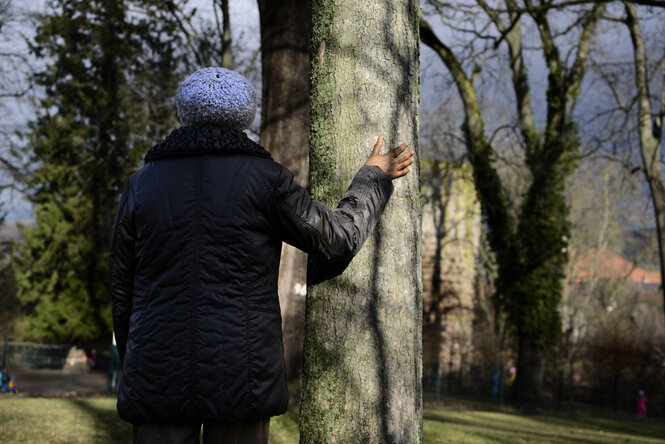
<point x="58" y="383"/>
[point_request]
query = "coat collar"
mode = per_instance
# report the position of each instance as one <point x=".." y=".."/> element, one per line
<point x="205" y="139"/>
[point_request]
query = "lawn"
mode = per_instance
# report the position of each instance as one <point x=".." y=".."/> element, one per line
<point x="87" y="420"/>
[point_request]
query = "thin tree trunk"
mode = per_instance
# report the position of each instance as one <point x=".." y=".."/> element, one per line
<point x="227" y="51"/>
<point x="650" y="134"/>
<point x="363" y="368"/>
<point x="433" y="309"/>
<point x="285" y="39"/>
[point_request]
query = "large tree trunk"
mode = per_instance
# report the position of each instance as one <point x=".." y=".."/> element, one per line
<point x="285" y="40"/>
<point x="362" y="380"/>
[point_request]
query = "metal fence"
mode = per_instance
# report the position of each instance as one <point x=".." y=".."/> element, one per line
<point x="37" y="356"/>
<point x="608" y="391"/>
<point x="484" y="383"/>
<point x="26" y="355"/>
<point x="30" y="355"/>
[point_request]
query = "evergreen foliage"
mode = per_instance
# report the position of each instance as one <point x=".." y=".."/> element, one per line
<point x="108" y="83"/>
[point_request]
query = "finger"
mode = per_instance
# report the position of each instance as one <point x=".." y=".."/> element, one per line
<point x="377" y="146"/>
<point x="405" y="163"/>
<point x="403" y="172"/>
<point x="405" y="159"/>
<point x="400" y="149"/>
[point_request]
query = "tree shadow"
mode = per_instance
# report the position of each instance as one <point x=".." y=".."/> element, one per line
<point x="379" y="339"/>
<point x="492" y="432"/>
<point x="575" y="428"/>
<point x="111" y="428"/>
<point x="635" y="427"/>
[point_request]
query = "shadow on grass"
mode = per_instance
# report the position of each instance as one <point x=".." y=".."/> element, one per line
<point x="571" y="429"/>
<point x="108" y="425"/>
<point x="633" y="426"/>
<point x="489" y="431"/>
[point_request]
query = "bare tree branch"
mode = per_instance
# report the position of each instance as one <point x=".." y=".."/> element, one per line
<point x="520" y="80"/>
<point x="227" y="52"/>
<point x="577" y="71"/>
<point x="173" y="10"/>
<point x="549" y="5"/>
<point x="252" y="62"/>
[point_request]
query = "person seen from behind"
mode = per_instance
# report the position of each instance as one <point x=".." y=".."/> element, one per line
<point x="194" y="262"/>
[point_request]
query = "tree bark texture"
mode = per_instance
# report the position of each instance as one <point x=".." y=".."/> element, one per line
<point x="363" y="368"/>
<point x="650" y="133"/>
<point x="285" y="39"/>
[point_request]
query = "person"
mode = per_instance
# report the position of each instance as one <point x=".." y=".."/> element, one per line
<point x="5" y="376"/>
<point x="92" y="359"/>
<point x="7" y="382"/>
<point x="513" y="375"/>
<point x="194" y="262"/>
<point x="11" y="386"/>
<point x="641" y="404"/>
<point x="495" y="382"/>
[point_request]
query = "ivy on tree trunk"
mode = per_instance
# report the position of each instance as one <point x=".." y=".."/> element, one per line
<point x="531" y="247"/>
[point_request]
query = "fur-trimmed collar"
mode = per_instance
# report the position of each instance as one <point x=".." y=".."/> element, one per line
<point x="205" y="139"/>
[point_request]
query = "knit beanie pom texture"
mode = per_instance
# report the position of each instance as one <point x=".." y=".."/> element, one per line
<point x="216" y="96"/>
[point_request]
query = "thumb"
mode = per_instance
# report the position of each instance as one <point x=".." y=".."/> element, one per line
<point x="377" y="146"/>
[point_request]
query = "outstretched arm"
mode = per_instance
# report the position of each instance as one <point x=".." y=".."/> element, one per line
<point x="335" y="236"/>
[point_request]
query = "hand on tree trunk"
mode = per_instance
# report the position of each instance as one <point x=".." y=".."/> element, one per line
<point x="395" y="163"/>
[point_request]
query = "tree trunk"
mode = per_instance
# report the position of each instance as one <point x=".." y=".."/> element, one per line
<point x="285" y="39"/>
<point x="650" y="133"/>
<point x="362" y="380"/>
<point x="530" y="366"/>
<point x="531" y="256"/>
<point x="227" y="51"/>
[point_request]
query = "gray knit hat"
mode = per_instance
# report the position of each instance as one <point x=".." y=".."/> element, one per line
<point x="216" y="96"/>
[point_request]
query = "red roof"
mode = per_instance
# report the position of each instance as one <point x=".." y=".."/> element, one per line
<point x="607" y="265"/>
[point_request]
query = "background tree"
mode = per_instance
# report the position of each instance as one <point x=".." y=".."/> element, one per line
<point x="530" y="243"/>
<point x="207" y="43"/>
<point x="105" y="81"/>
<point x="285" y="39"/>
<point x="363" y="329"/>
<point x="650" y="128"/>
<point x="13" y="91"/>
<point x="608" y="212"/>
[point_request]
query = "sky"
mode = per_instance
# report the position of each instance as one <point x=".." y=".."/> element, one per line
<point x="435" y="86"/>
<point x="244" y="27"/>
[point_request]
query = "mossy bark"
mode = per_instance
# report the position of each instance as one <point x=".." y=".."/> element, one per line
<point x="362" y="380"/>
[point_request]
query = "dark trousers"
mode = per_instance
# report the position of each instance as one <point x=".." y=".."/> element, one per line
<point x="245" y="432"/>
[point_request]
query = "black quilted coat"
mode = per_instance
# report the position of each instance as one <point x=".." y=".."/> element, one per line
<point x="193" y="267"/>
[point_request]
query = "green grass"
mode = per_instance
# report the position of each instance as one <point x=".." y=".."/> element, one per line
<point x="87" y="420"/>
<point x="61" y="420"/>
<point x="472" y="426"/>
